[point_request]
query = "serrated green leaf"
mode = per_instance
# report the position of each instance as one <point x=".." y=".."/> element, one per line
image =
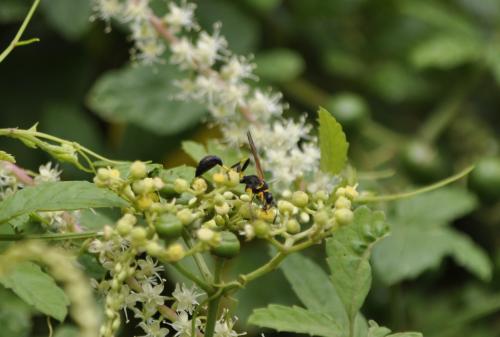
<point x="279" y="65"/>
<point x="144" y="96"/>
<point x="295" y="319"/>
<point x="409" y="251"/>
<point x="194" y="150"/>
<point x="38" y="289"/>
<point x="313" y="287"/>
<point x="70" y="18"/>
<point x="57" y="196"/>
<point x="446" y="51"/>
<point x="420" y="239"/>
<point x="434" y="208"/>
<point x="348" y="257"/>
<point x="332" y="142"/>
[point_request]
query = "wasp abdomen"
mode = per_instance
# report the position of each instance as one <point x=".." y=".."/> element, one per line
<point x="206" y="163"/>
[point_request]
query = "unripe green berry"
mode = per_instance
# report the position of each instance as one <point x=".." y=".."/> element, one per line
<point x="228" y="246"/>
<point x="293" y="226"/>
<point x="342" y="202"/>
<point x="138" y="170"/>
<point x="343" y="216"/>
<point x="124" y="228"/>
<point x="168" y="226"/>
<point x="185" y="216"/>
<point x="321" y="218"/>
<point x="300" y="199"/>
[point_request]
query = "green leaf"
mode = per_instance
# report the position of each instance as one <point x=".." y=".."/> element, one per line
<point x="332" y="142"/>
<point x="15" y="315"/>
<point x="38" y="289"/>
<point x="313" y="287"/>
<point x="348" y="257"/>
<point x="435" y="208"/>
<point x="144" y="96"/>
<point x="381" y="331"/>
<point x="67" y="331"/>
<point x="279" y="65"/>
<point x="420" y="239"/>
<point x="70" y="18"/>
<point x="446" y="51"/>
<point x="13" y="10"/>
<point x="183" y="171"/>
<point x="58" y="196"/>
<point x="194" y="150"/>
<point x="295" y="319"/>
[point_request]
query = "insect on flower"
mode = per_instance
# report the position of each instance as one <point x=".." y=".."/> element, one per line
<point x="254" y="184"/>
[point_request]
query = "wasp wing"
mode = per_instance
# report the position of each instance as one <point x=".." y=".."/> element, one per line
<point x="253" y="149"/>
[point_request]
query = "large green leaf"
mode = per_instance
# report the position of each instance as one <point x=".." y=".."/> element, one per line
<point x="420" y="239"/>
<point x="38" y="289"/>
<point x="194" y="150"/>
<point x="295" y="319"/>
<point x="70" y="18"/>
<point x="56" y="196"/>
<point x="381" y="331"/>
<point x="15" y="315"/>
<point x="144" y="96"/>
<point x="348" y="257"/>
<point x="332" y="142"/>
<point x="313" y="287"/>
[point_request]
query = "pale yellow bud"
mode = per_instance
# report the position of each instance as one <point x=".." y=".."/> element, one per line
<point x="138" y="170"/>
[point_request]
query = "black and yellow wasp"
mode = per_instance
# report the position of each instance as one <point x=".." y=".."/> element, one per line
<point x="254" y="184"/>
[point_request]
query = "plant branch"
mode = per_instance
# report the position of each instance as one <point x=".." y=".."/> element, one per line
<point x="50" y="236"/>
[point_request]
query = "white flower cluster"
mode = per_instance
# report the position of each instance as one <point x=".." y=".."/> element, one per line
<point x="220" y="80"/>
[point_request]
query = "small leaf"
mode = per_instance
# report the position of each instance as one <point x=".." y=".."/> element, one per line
<point x="70" y="18"/>
<point x="381" y="331"/>
<point x="183" y="171"/>
<point x="15" y="315"/>
<point x="145" y="97"/>
<point x="313" y="287"/>
<point x="295" y="319"/>
<point x="332" y="142"/>
<point x="445" y="51"/>
<point x="194" y="150"/>
<point x="37" y="288"/>
<point x="348" y="255"/>
<point x="58" y="196"/>
<point x="279" y="65"/>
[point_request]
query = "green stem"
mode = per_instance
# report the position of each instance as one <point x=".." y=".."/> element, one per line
<point x="213" y="303"/>
<point x="51" y="236"/>
<point x="200" y="283"/>
<point x="397" y="196"/>
<point x="15" y="42"/>
<point x="199" y="260"/>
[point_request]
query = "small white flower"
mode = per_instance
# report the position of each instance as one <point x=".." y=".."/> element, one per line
<point x="210" y="48"/>
<point x="237" y="68"/>
<point x="151" y="294"/>
<point x="185" y="298"/>
<point x="264" y="106"/>
<point x="180" y="17"/>
<point x="183" y="325"/>
<point x="47" y="173"/>
<point x="107" y="9"/>
<point x="149" y="270"/>
<point x="207" y="87"/>
<point x="183" y="53"/>
<point x="149" y="51"/>
<point x="152" y="328"/>
<point x="136" y="10"/>
<point x="224" y="327"/>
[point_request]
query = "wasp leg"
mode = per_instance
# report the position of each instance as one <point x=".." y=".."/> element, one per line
<point x="206" y="163"/>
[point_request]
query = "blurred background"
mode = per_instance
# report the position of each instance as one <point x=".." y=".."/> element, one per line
<point x="414" y="83"/>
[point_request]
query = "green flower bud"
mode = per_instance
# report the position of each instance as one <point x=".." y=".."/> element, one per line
<point x="222" y="209"/>
<point x="123" y="228"/>
<point x="261" y="228"/>
<point x="180" y="186"/>
<point x="211" y="224"/>
<point x="219" y="220"/>
<point x="342" y="202"/>
<point x="153" y="248"/>
<point x="287" y="194"/>
<point x="228" y="195"/>
<point x="219" y="178"/>
<point x="219" y="199"/>
<point x="285" y="207"/>
<point x="245" y="211"/>
<point x="205" y="235"/>
<point x="343" y="216"/>
<point x="185" y="216"/>
<point x="293" y="226"/>
<point x="245" y="197"/>
<point x="351" y="193"/>
<point x="175" y="252"/>
<point x="321" y="195"/>
<point x="300" y="199"/>
<point x="234" y="178"/>
<point x="138" y="170"/>
<point x="304" y="217"/>
<point x="143" y="202"/>
<point x="138" y="235"/>
<point x="158" y="183"/>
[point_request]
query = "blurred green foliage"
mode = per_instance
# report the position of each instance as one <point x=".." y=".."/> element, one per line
<point x="411" y="71"/>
